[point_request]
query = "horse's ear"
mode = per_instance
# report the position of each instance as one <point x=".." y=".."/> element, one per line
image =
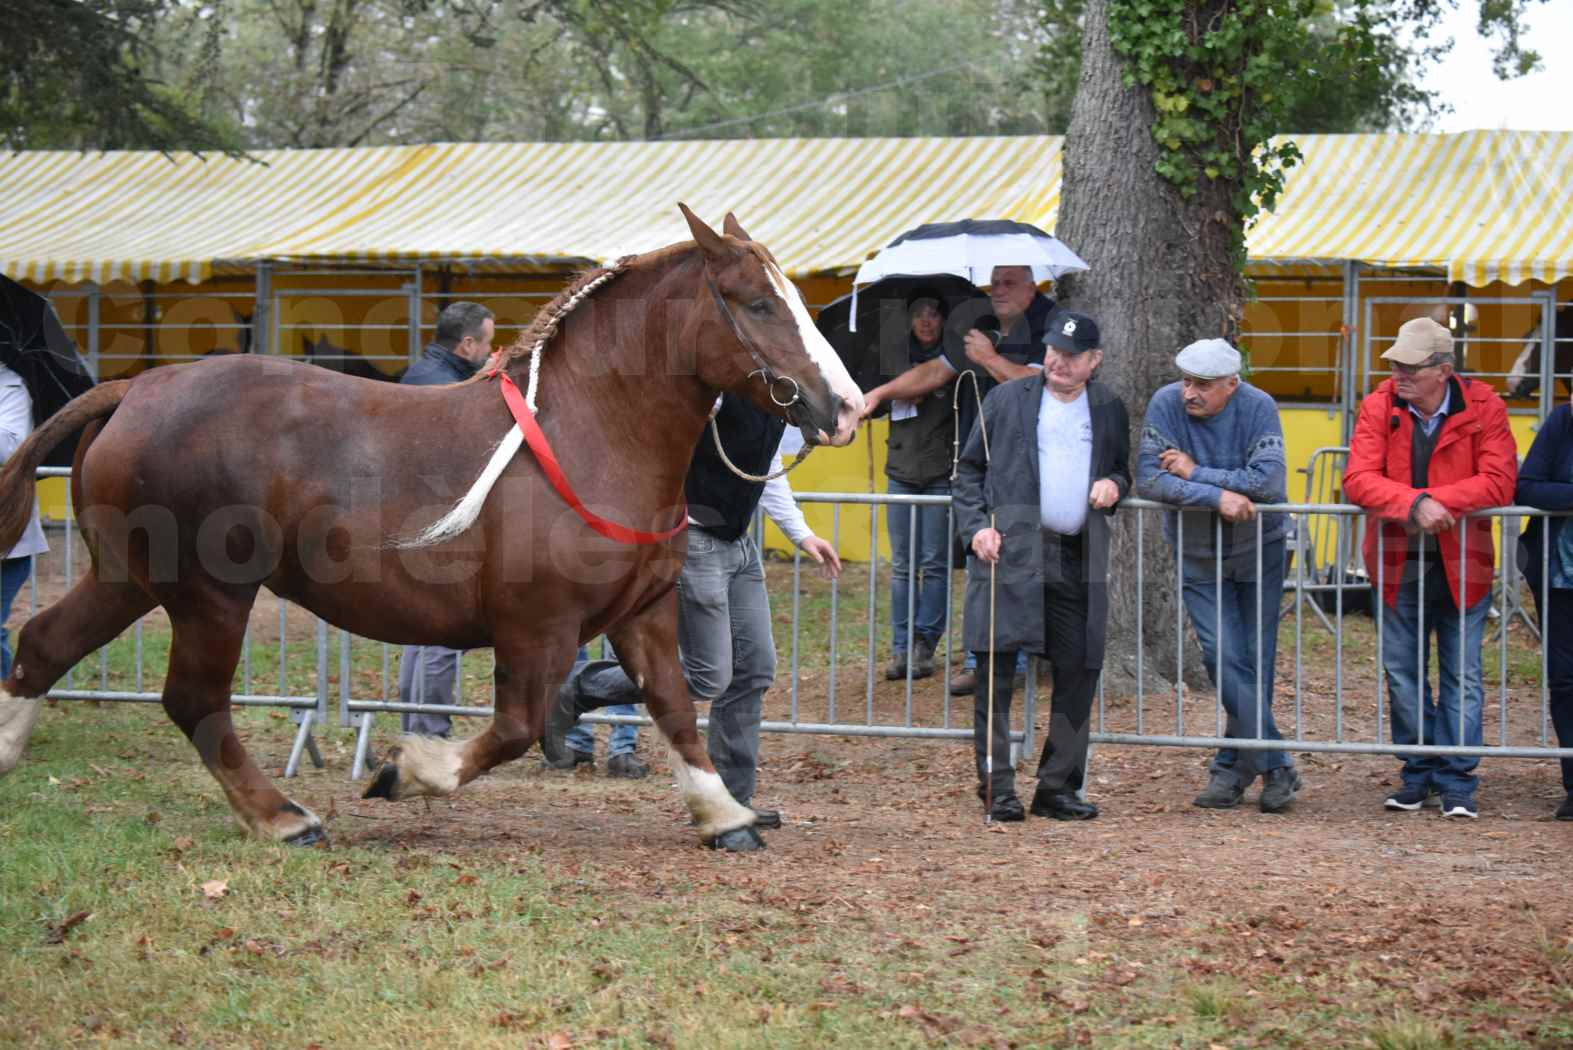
<point x="708" y="240"/>
<point x="733" y="228"/>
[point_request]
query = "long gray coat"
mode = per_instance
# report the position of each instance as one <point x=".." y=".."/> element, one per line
<point x="1008" y="487"/>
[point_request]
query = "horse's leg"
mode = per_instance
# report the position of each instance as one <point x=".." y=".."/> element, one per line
<point x="202" y="658"/>
<point x="91" y="614"/>
<point x="530" y="667"/>
<point x="647" y="647"/>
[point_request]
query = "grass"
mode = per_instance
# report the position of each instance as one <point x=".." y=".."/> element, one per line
<point x="378" y="946"/>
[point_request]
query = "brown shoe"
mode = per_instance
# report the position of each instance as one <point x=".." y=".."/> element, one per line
<point x="965" y="683"/>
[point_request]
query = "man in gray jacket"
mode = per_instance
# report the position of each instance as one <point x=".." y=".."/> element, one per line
<point x="428" y="674"/>
<point x="1035" y="505"/>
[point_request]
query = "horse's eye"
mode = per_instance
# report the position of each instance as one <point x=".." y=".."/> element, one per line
<point x="761" y="307"/>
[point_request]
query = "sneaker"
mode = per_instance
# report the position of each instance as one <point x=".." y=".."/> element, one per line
<point x="1458" y="806"/>
<point x="1565" y="811"/>
<point x="965" y="683"/>
<point x="922" y="658"/>
<point x="1279" y="787"/>
<point x="1409" y="798"/>
<point x="1220" y="793"/>
<point x="626" y="767"/>
<point x="897" y="668"/>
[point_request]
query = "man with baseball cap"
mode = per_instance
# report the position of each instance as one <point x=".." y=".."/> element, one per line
<point x="1430" y="446"/>
<point x="1213" y="445"/>
<point x="1034" y="490"/>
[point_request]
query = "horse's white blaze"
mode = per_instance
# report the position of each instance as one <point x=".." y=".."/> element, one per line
<point x="1520" y="370"/>
<point x="428" y="765"/>
<point x="17" y="716"/>
<point x="464" y="513"/>
<point x="819" y="351"/>
<point x="713" y="807"/>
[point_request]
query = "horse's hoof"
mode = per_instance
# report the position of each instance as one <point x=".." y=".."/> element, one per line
<point x="384" y="782"/>
<point x="738" y="840"/>
<point x="313" y="836"/>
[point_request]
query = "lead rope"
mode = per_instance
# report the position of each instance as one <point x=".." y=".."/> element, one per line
<point x="983" y="431"/>
<point x="715" y="432"/>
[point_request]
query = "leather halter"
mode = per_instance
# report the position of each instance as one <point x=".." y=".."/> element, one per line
<point x="764" y="371"/>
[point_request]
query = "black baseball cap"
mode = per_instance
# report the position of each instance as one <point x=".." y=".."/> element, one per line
<point x="1071" y="332"/>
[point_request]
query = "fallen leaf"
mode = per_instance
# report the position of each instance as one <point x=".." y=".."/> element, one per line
<point x="215" y="888"/>
<point x="57" y="934"/>
<point x="559" y="1041"/>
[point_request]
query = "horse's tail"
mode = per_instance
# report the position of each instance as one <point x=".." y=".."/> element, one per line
<point x="17" y="476"/>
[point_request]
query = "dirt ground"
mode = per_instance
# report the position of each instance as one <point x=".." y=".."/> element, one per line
<point x="888" y="832"/>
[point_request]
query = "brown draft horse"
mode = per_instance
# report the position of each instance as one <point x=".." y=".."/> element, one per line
<point x="210" y="480"/>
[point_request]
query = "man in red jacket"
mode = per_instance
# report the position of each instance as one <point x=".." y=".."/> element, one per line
<point x="1428" y="448"/>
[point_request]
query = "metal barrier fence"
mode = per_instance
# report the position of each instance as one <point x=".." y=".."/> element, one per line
<point x="1344" y="714"/>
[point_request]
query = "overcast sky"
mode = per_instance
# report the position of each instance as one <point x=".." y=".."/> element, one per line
<point x="1540" y="101"/>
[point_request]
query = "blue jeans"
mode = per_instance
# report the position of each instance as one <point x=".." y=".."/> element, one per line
<point x="932" y="543"/>
<point x="428" y="674"/>
<point x="624" y="738"/>
<point x="1419" y="716"/>
<point x="728" y="651"/>
<point x="728" y="654"/>
<point x="1235" y="603"/>
<point x="13" y="574"/>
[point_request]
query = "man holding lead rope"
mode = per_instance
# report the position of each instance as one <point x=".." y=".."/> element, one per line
<point x="1035" y="487"/>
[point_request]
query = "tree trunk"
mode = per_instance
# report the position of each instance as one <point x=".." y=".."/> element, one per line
<point x="1161" y="277"/>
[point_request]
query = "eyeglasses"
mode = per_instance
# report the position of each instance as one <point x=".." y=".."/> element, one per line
<point x="1399" y="368"/>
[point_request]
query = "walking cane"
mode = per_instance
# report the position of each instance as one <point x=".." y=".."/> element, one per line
<point x="983" y="431"/>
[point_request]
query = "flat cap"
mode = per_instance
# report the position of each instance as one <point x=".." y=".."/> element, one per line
<point x="1209" y="359"/>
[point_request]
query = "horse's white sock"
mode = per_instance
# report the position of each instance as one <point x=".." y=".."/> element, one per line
<point x="712" y="806"/>
<point x="17" y="716"/>
<point x="428" y="765"/>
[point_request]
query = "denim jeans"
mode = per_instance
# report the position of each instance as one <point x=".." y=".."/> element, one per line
<point x="13" y="574"/>
<point x="931" y="541"/>
<point x="428" y="674"/>
<point x="1556" y="624"/>
<point x="1234" y="602"/>
<point x="729" y="654"/>
<point x="624" y="738"/>
<point x="1419" y="715"/>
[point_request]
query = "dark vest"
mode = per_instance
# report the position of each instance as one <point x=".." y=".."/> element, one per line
<point x="918" y="450"/>
<point x="719" y="501"/>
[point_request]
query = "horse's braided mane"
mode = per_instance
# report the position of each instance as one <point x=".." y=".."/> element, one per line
<point x="550" y="317"/>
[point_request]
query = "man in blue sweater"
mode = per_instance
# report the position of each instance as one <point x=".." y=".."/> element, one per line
<point x="1213" y="443"/>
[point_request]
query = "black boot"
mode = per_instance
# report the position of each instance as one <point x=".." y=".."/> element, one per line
<point x="562" y="714"/>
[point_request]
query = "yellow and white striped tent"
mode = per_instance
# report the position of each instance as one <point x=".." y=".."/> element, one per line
<point x="1486" y="206"/>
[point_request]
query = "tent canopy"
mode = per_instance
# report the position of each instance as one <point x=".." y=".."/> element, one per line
<point x="1485" y="206"/>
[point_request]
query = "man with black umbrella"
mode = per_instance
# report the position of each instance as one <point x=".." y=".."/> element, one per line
<point x="1014" y="351"/>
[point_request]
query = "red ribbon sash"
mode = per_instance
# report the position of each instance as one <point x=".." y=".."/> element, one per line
<point x="554" y="473"/>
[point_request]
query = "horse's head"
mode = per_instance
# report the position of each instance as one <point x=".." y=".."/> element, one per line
<point x="784" y="365"/>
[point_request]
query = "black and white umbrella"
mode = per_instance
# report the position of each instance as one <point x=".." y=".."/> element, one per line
<point x="970" y="249"/>
<point x="873" y="342"/>
<point x="34" y="345"/>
